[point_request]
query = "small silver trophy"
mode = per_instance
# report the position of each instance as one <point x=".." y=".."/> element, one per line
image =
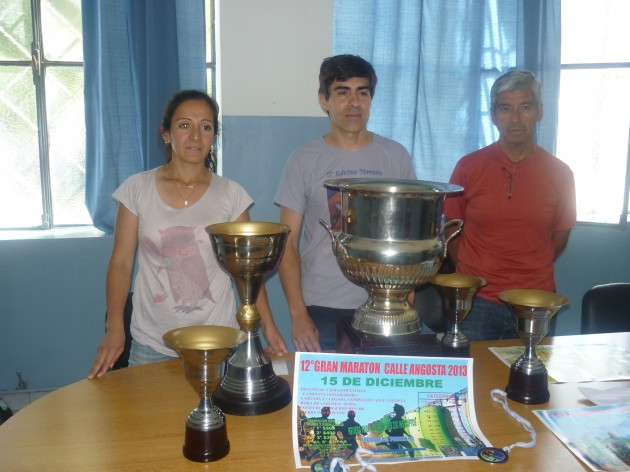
<point x="204" y="350"/>
<point x="457" y="292"/>
<point x="532" y="311"/>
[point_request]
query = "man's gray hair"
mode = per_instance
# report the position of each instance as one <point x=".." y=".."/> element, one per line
<point x="516" y="80"/>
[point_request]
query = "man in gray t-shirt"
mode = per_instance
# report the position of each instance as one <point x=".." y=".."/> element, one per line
<point x="317" y="292"/>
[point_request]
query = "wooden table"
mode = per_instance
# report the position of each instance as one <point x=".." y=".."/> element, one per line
<point x="133" y="420"/>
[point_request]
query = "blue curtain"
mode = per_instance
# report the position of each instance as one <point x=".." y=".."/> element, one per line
<point x="436" y="61"/>
<point x="136" y="54"/>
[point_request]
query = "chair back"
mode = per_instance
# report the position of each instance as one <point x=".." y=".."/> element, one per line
<point x="606" y="309"/>
<point x="123" y="360"/>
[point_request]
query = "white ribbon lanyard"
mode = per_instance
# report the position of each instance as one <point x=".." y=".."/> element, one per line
<point x="494" y="454"/>
<point x="364" y="458"/>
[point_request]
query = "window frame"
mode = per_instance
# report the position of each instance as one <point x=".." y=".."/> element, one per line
<point x="39" y="67"/>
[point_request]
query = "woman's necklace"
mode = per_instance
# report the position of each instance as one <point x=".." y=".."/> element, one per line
<point x="188" y="190"/>
<point x="185" y="197"/>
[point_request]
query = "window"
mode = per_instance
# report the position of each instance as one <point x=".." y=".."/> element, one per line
<point x="211" y="63"/>
<point x="594" y="110"/>
<point x="42" y="123"/>
<point x="41" y="115"/>
<point x="211" y="66"/>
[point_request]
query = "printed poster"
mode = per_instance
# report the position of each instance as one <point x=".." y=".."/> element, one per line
<point x="400" y="408"/>
<point x="598" y="435"/>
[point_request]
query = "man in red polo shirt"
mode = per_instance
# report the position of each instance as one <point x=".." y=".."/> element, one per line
<point x="518" y="208"/>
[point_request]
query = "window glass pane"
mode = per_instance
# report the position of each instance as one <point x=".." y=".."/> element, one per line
<point x="210" y="82"/>
<point x="20" y="185"/>
<point x="594" y="32"/>
<point x="61" y="30"/>
<point x="209" y="12"/>
<point x="66" y="128"/>
<point x="15" y="30"/>
<point x="593" y="129"/>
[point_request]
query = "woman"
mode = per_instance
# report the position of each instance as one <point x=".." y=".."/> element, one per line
<point x="163" y="214"/>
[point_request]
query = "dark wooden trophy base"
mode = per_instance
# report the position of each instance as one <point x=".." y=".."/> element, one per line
<point x="206" y="446"/>
<point x="531" y="389"/>
<point x="351" y="341"/>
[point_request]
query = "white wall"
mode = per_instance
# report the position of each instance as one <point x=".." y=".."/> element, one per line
<point x="269" y="54"/>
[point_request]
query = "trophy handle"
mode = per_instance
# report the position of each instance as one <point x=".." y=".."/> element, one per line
<point x="459" y="223"/>
<point x="337" y="247"/>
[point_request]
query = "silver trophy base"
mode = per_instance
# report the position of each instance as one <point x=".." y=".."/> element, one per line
<point x="351" y="341"/>
<point x="250" y="387"/>
<point x="391" y="322"/>
<point x="455" y="339"/>
<point x="257" y="404"/>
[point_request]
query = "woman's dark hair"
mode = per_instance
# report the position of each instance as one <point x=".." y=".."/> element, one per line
<point x="167" y="116"/>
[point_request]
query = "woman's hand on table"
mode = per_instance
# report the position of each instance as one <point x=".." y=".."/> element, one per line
<point x="108" y="352"/>
<point x="305" y="334"/>
<point x="275" y="342"/>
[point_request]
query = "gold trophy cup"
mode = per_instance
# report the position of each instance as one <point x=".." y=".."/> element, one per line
<point x="247" y="251"/>
<point x="457" y="292"/>
<point x="532" y="311"/>
<point x="204" y="349"/>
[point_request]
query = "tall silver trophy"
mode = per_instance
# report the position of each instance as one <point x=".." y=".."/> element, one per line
<point x="391" y="241"/>
<point x="204" y="349"/>
<point x="532" y="311"/>
<point x="247" y="251"/>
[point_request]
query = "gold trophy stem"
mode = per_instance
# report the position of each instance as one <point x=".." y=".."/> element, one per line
<point x="248" y="317"/>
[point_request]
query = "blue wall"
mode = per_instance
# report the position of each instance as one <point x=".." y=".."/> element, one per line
<point x="596" y="254"/>
<point x="52" y="291"/>
<point x="52" y="308"/>
<point x="255" y="150"/>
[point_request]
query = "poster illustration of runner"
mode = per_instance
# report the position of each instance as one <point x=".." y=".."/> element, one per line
<point x="400" y="408"/>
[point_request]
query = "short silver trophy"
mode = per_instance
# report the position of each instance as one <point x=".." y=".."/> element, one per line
<point x="204" y="350"/>
<point x="532" y="311"/>
<point x="457" y="292"/>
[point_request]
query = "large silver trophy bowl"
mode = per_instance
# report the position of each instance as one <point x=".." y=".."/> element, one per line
<point x="532" y="311"/>
<point x="457" y="292"/>
<point x="247" y="251"/>
<point x="392" y="240"/>
<point x="204" y="350"/>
